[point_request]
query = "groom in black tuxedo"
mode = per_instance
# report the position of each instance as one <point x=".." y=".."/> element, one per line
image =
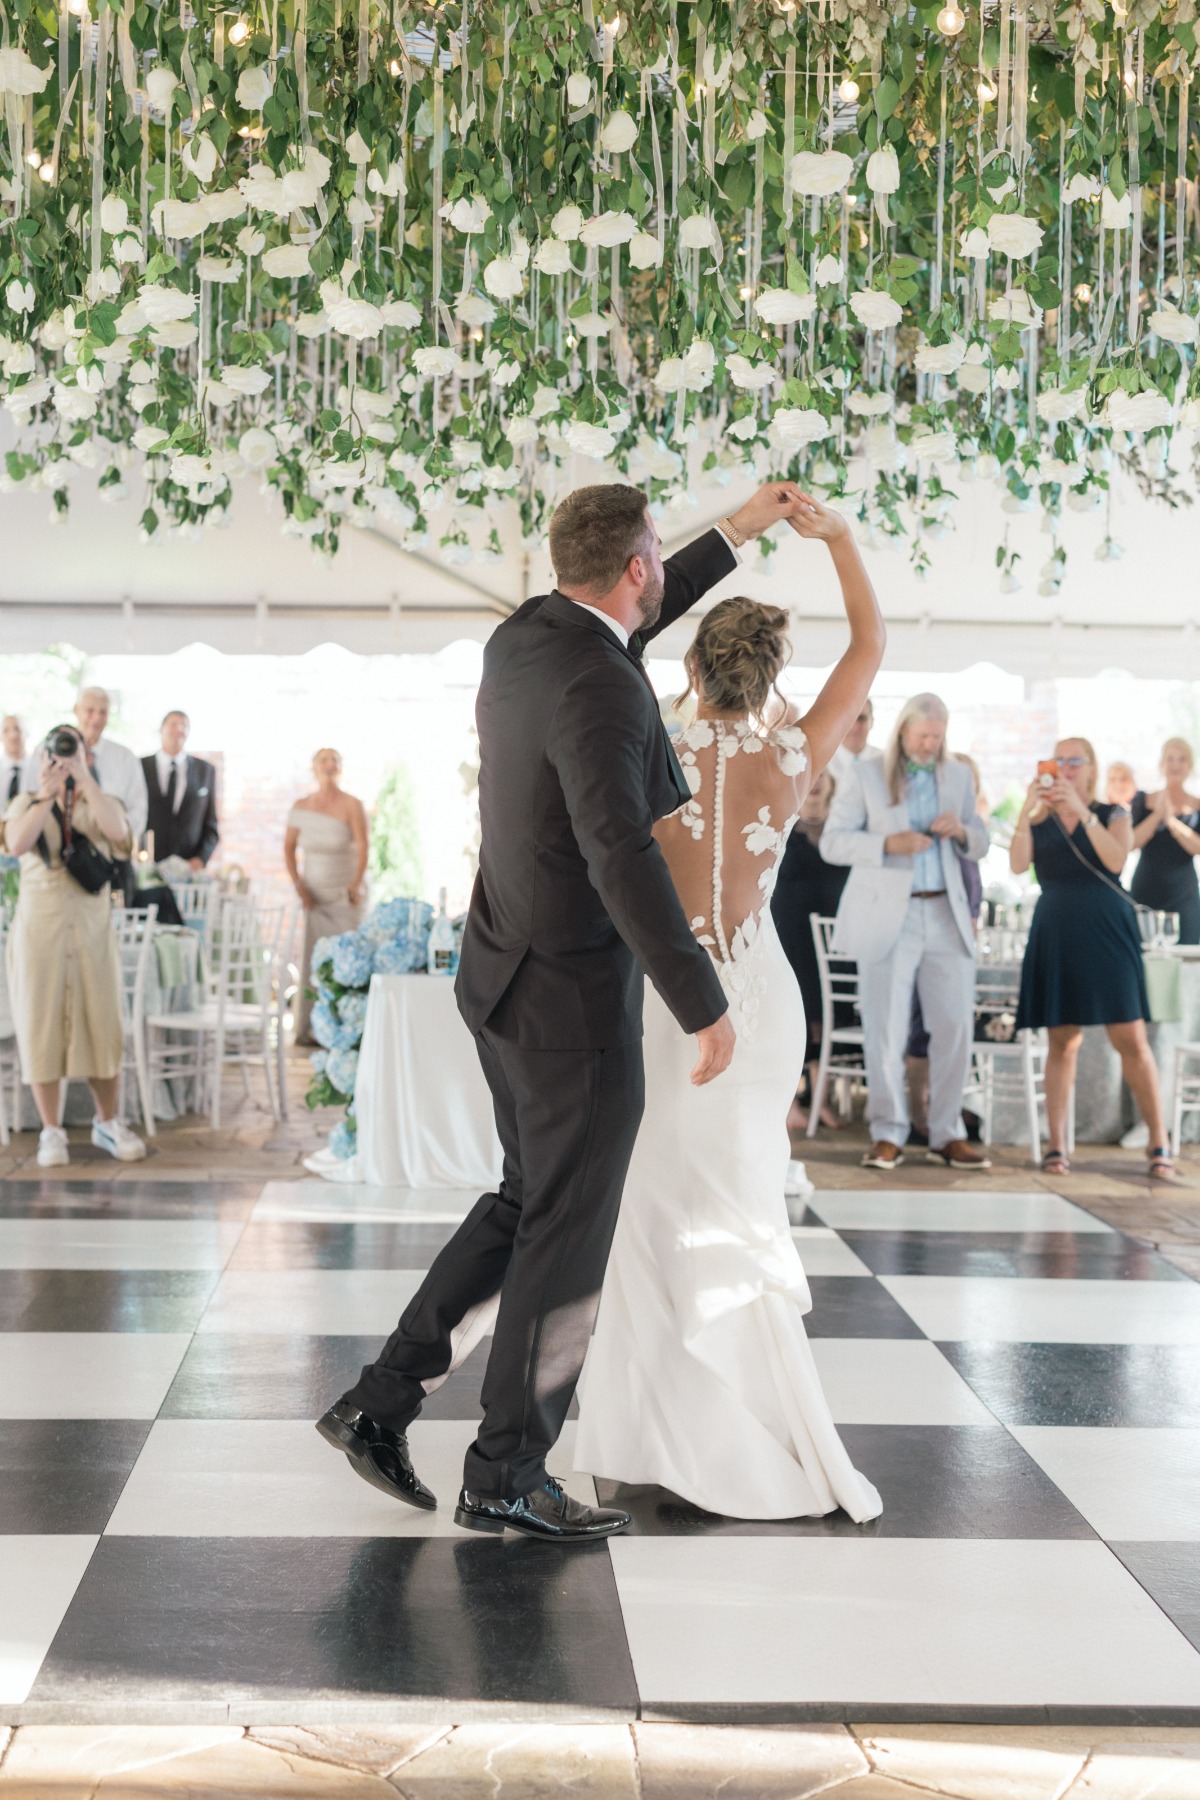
<point x="572" y="903"/>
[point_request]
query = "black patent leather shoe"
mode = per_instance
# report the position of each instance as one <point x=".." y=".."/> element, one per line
<point x="547" y="1513"/>
<point x="377" y="1453"/>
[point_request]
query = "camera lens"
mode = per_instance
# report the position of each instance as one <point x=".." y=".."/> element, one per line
<point x="62" y="742"/>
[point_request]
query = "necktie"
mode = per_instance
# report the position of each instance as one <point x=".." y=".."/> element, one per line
<point x="916" y="768"/>
<point x="14" y="782"/>
<point x="171" y="787"/>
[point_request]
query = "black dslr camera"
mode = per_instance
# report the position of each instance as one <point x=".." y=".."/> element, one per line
<point x="63" y="741"/>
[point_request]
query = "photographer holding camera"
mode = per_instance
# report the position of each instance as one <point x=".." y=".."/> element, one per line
<point x="64" y="972"/>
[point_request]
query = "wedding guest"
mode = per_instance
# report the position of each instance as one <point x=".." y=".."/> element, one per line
<point x="1166" y="829"/>
<point x="1083" y="963"/>
<point x="327" y="830"/>
<point x="905" y="824"/>
<point x="854" y="747"/>
<point x="182" y="793"/>
<point x="63" y="964"/>
<point x="12" y="758"/>
<point x="116" y="769"/>
<point x="1120" y="785"/>
<point x="807" y="884"/>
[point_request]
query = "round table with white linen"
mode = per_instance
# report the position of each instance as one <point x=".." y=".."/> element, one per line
<point x="424" y="1111"/>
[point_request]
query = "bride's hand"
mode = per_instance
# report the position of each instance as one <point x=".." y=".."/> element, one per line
<point x="810" y="519"/>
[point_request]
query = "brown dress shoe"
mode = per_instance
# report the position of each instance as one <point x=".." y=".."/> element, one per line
<point x="958" y="1154"/>
<point x="883" y="1156"/>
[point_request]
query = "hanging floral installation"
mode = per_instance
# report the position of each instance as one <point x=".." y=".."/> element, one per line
<point x="416" y="258"/>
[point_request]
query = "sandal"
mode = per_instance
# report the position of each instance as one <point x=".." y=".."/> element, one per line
<point x="1161" y="1166"/>
<point x="1055" y="1162"/>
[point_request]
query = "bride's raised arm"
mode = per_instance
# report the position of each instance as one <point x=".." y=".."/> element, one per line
<point x="840" y="701"/>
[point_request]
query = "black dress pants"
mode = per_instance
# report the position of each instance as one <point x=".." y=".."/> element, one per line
<point x="567" y="1121"/>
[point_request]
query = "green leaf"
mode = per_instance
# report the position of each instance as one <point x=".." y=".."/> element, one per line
<point x="887" y="96"/>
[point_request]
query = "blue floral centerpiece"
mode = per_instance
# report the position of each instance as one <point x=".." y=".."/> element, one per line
<point x="394" y="940"/>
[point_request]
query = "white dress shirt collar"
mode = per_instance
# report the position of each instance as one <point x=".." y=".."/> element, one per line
<point x="618" y="630"/>
<point x="163" y="763"/>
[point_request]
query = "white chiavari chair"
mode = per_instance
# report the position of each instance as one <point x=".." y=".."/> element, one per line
<point x="842" y="1046"/>
<point x="1005" y="1064"/>
<point x="10" y="1061"/>
<point x="134" y="928"/>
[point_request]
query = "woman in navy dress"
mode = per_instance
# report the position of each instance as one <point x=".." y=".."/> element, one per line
<point x="1083" y="964"/>
<point x="1166" y="829"/>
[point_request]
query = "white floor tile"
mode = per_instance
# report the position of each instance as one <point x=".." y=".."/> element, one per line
<point x="891" y="1209"/>
<point x="311" y="1302"/>
<point x="116" y="1243"/>
<point x="1128" y="1482"/>
<point x="87" y="1374"/>
<point x="913" y="1621"/>
<point x="246" y="1478"/>
<point x="1026" y="1310"/>
<point x="880" y="1381"/>
<point x="317" y="1201"/>
<point x="823" y="1253"/>
<point x="38" y="1579"/>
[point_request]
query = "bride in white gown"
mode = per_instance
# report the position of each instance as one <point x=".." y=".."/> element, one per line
<point x="700" y="1377"/>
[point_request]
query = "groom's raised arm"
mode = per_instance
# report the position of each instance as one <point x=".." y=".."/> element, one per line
<point x="690" y="572"/>
<point x="597" y="747"/>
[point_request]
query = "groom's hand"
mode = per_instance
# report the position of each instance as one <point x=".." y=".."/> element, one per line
<point x="775" y="501"/>
<point x="715" y="1045"/>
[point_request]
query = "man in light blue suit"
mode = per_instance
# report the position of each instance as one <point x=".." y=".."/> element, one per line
<point x="904" y="824"/>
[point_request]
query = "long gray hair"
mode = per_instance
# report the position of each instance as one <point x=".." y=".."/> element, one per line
<point x="921" y="706"/>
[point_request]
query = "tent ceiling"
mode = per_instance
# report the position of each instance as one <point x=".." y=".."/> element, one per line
<point x="248" y="590"/>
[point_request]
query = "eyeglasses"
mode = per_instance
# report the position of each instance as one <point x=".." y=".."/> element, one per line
<point x="1070" y="762"/>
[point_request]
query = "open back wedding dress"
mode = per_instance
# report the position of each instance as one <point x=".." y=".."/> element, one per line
<point x="700" y="1377"/>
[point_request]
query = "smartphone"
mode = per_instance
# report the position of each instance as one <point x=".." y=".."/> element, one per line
<point x="1047" y="774"/>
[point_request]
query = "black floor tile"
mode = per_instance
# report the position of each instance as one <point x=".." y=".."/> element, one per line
<point x="464" y="1620"/>
<point x="64" y="1475"/>
<point x="853" y="1306"/>
<point x="378" y="1244"/>
<point x="936" y="1481"/>
<point x="131" y="1198"/>
<point x="103" y="1299"/>
<point x="1170" y="1574"/>
<point x="1083" y="1384"/>
<point x="1044" y="1255"/>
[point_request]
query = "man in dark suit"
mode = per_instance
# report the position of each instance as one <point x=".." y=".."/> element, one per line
<point x="183" y="797"/>
<point x="572" y="903"/>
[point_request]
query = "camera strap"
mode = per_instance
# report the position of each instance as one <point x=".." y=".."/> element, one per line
<point x="1100" y="874"/>
<point x="64" y="826"/>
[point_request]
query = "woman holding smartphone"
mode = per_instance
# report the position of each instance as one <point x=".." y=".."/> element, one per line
<point x="1083" y="964"/>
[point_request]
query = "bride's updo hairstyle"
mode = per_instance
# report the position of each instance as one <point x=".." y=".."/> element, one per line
<point x="738" y="655"/>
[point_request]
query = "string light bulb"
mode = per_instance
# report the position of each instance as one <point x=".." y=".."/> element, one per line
<point x="78" y="7"/>
<point x="1083" y="293"/>
<point x="745" y="292"/>
<point x="34" y="159"/>
<point x="848" y="89"/>
<point x="239" y="31"/>
<point x="951" y="20"/>
<point x="394" y="66"/>
<point x="986" y="92"/>
<point x="615" y="26"/>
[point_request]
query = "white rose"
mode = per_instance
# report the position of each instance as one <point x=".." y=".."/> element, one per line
<point x="868" y="406"/>
<point x="20" y="296"/>
<point x="435" y="360"/>
<point x="262" y="189"/>
<point x="299" y="188"/>
<point x="355" y="319"/>
<point x="820" y="172"/>
<point x="176" y="334"/>
<point x="474" y="310"/>
<point x="1014" y="234"/>
<point x="1137" y="412"/>
<point x="470" y="215"/>
<point x="975" y="244"/>
<point x="402" y="313"/>
<point x="388" y="184"/>
<point x="579" y="88"/>
<point x="250" y="241"/>
<point x="521" y="430"/>
<point x="249" y="381"/>
<point x="286" y="260"/>
<point x="933" y="446"/>
<point x="779" y="306"/>
<point x="1015" y="308"/>
<point x="875" y="309"/>
<point x="1177" y="327"/>
<point x="114" y="215"/>
<point x="645" y="251"/>
<point x="20" y="360"/>
<point x="590" y="440"/>
<point x="670" y="374"/>
<point x="883" y="170"/>
<point x="756" y="125"/>
<point x="131" y="319"/>
<point x="53" y="333"/>
<point x="699" y="365"/>
<point x="219" y="268"/>
<point x="1189" y="415"/>
<point x="502" y="279"/>
<point x="158" y="304"/>
<point x="699" y="232"/>
<point x="225" y="204"/>
<point x="180" y="218"/>
<point x="829" y="271"/>
<point x="750" y="375"/>
<point x="20" y="75"/>
<point x="1007" y="378"/>
<point x="1081" y="187"/>
<point x="592" y="325"/>
<point x="24" y="399"/>
<point x="128" y="249"/>
<point x="200" y="156"/>
<point x="942" y="359"/>
<point x="793" y="426"/>
<point x="553" y="257"/>
<point x="359" y="210"/>
<point x="257" y="446"/>
<point x="358" y="151"/>
<point x="567" y="223"/>
<point x="254" y="87"/>
<point x="742" y="429"/>
<point x="73" y="403"/>
<point x="160" y="86"/>
<point x="215" y="394"/>
<point x="620" y="132"/>
<point x="311" y="324"/>
<point x="545" y="400"/>
<point x="1055" y="404"/>
<point x="1115" y="214"/>
<point x="608" y="229"/>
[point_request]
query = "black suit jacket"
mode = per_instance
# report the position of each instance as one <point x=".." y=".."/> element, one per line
<point x="193" y="830"/>
<point x="573" y="899"/>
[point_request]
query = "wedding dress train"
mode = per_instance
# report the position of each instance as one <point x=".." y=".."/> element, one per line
<point x="700" y="1377"/>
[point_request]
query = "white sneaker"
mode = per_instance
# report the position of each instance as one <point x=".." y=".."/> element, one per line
<point x="53" y="1148"/>
<point x="1137" y="1137"/>
<point x="797" y="1186"/>
<point x="115" y="1137"/>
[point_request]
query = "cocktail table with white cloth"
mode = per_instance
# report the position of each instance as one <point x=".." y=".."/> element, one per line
<point x="423" y="1109"/>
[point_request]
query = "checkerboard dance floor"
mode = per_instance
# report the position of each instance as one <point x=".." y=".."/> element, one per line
<point x="1021" y="1383"/>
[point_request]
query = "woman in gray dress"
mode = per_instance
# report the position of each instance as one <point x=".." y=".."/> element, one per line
<point x="325" y="848"/>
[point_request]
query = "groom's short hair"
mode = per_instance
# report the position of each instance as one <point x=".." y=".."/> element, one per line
<point x="594" y="532"/>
